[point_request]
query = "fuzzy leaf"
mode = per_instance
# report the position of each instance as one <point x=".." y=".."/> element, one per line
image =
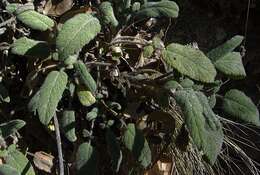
<point x="85" y="76"/>
<point x="231" y="65"/>
<point x="32" y="48"/>
<point x="225" y="48"/>
<point x="75" y="33"/>
<point x="67" y="124"/>
<point x="134" y="141"/>
<point x="46" y="100"/>
<point x="204" y="127"/>
<point x="158" y="9"/>
<point x="8" y="128"/>
<point x="108" y="15"/>
<point x="190" y="61"/>
<point x="148" y="51"/>
<point x="114" y="149"/>
<point x="85" y="97"/>
<point x="35" y="20"/>
<point x="8" y="170"/>
<point x="240" y="107"/>
<point x="86" y="160"/>
<point x="17" y="160"/>
<point x="11" y="7"/>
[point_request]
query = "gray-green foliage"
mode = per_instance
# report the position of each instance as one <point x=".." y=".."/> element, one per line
<point x="75" y="33"/>
<point x="108" y="15"/>
<point x="135" y="142"/>
<point x="18" y="160"/>
<point x="158" y="9"/>
<point x="8" y="128"/>
<point x="190" y="61"/>
<point x="46" y="100"/>
<point x="204" y="127"/>
<point x="240" y="107"/>
<point x="85" y="97"/>
<point x="8" y="170"/>
<point x="85" y="76"/>
<point x="67" y="123"/>
<point x="86" y="159"/>
<point x="31" y="48"/>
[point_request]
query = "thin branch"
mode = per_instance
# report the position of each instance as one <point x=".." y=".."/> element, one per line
<point x="58" y="140"/>
<point x="9" y="21"/>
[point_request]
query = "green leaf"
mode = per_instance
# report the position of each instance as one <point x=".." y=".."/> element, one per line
<point x="240" y="107"/>
<point x="28" y="47"/>
<point x="17" y="160"/>
<point x="8" y="170"/>
<point x="8" y="128"/>
<point x="190" y="61"/>
<point x="68" y="125"/>
<point x="225" y="48"/>
<point x="114" y="149"/>
<point x="85" y="76"/>
<point x="85" y="97"/>
<point x="134" y="141"/>
<point x="148" y="51"/>
<point x="75" y="33"/>
<point x="4" y="95"/>
<point x="214" y="131"/>
<point x="35" y="20"/>
<point x="203" y="125"/>
<point x="231" y="65"/>
<point x="46" y="100"/>
<point x="108" y="15"/>
<point x="11" y="7"/>
<point x="158" y="9"/>
<point x="86" y="160"/>
<point x="186" y="83"/>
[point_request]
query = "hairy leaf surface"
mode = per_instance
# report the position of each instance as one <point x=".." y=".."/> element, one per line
<point x="190" y="61"/>
<point x="68" y="125"/>
<point x="75" y="33"/>
<point x="35" y="20"/>
<point x="46" y="100"/>
<point x="158" y="9"/>
<point x="231" y="65"/>
<point x="8" y="128"/>
<point x="107" y="11"/>
<point x="18" y="160"/>
<point x="8" y="170"/>
<point x="204" y="127"/>
<point x="32" y="48"/>
<point x="225" y="48"/>
<point x="240" y="107"/>
<point x="137" y="144"/>
<point x="86" y="160"/>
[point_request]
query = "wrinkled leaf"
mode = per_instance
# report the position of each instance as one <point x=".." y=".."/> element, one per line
<point x="86" y="160"/>
<point x="18" y="160"/>
<point x="134" y="141"/>
<point x="85" y="76"/>
<point x="158" y="9"/>
<point x="46" y="100"/>
<point x="186" y="83"/>
<point x="35" y="20"/>
<point x="8" y="128"/>
<point x="57" y="8"/>
<point x="190" y="61"/>
<point x="75" y="33"/>
<point x="231" y="65"/>
<point x="68" y="125"/>
<point x="240" y="107"/>
<point x="108" y="15"/>
<point x="225" y="48"/>
<point x="204" y="127"/>
<point x="114" y="149"/>
<point x="32" y="48"/>
<point x="8" y="170"/>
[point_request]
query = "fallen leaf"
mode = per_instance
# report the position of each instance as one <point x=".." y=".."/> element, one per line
<point x="57" y="7"/>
